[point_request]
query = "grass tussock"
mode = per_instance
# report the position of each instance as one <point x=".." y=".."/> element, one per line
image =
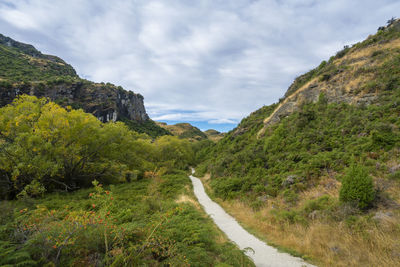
<point x="358" y="240"/>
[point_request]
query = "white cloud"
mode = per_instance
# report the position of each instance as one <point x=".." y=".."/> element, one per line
<point x="209" y="60"/>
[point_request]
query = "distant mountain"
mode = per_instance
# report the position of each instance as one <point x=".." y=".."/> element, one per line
<point x="184" y="131"/>
<point x="190" y="132"/>
<point x="214" y="135"/>
<point x="25" y="70"/>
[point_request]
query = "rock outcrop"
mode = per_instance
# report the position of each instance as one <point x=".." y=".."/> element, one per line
<point x="106" y="102"/>
<point x="25" y="70"/>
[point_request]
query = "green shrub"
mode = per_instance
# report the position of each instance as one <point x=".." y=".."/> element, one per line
<point x="357" y="187"/>
<point x="290" y="196"/>
<point x="322" y="203"/>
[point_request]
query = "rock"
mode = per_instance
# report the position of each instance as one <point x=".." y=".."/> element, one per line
<point x="62" y="85"/>
<point x="106" y="102"/>
<point x="262" y="198"/>
<point x="377" y="165"/>
<point x="382" y="217"/>
<point x="331" y="184"/>
<point x="335" y="249"/>
<point x="394" y="169"/>
<point x="239" y="131"/>
<point x="289" y="180"/>
<point x="314" y="215"/>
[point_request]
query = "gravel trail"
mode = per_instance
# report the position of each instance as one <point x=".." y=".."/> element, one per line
<point x="263" y="254"/>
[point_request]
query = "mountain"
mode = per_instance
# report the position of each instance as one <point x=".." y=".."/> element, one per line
<point x="322" y="166"/>
<point x="356" y="75"/>
<point x="184" y="131"/>
<point x="190" y="132"/>
<point x="214" y="135"/>
<point x="25" y="70"/>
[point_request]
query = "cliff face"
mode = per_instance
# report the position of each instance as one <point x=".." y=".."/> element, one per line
<point x="106" y="102"/>
<point x="25" y="70"/>
<point x="356" y="75"/>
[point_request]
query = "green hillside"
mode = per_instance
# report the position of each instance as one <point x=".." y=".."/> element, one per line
<point x="184" y="131"/>
<point x="323" y="160"/>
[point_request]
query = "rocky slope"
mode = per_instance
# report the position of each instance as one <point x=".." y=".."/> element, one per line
<point x="349" y="77"/>
<point x="25" y="70"/>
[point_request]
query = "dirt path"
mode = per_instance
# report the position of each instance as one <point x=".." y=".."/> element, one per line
<point x="263" y="254"/>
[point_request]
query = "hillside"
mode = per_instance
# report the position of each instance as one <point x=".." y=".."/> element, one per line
<point x="184" y="131"/>
<point x="323" y="160"/>
<point x="190" y="132"/>
<point x="25" y="70"/>
<point x="214" y="135"/>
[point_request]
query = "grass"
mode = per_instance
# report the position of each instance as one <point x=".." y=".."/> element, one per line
<point x="154" y="227"/>
<point x="358" y="241"/>
<point x="234" y="208"/>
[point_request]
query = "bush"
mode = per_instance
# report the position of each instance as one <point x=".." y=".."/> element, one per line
<point x="357" y="187"/>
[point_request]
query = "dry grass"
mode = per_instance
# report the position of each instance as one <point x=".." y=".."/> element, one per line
<point x="355" y="58"/>
<point x="327" y="242"/>
<point x="187" y="199"/>
<point x="366" y="52"/>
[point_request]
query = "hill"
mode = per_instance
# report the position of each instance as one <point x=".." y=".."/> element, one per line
<point x="214" y="135"/>
<point x="190" y="132"/>
<point x="25" y="70"/>
<point x="322" y="165"/>
<point x="184" y="131"/>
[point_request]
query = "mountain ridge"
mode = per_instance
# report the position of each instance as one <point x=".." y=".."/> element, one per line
<point x="25" y="70"/>
<point x="332" y="77"/>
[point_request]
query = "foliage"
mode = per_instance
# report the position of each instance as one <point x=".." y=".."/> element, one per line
<point x="17" y="66"/>
<point x="134" y="224"/>
<point x="148" y="127"/>
<point x="357" y="187"/>
<point x="317" y="140"/>
<point x="46" y="147"/>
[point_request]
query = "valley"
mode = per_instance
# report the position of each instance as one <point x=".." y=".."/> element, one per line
<point x="87" y="178"/>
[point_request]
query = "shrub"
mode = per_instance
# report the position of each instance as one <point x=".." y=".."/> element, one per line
<point x="357" y="187"/>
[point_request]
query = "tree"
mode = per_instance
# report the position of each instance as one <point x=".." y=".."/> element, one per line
<point x="64" y="148"/>
<point x="391" y="21"/>
<point x="357" y="187"/>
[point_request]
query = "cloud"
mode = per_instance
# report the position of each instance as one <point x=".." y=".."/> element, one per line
<point x="209" y="60"/>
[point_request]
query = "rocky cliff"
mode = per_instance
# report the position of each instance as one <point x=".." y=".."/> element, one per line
<point x="106" y="102"/>
<point x="356" y="75"/>
<point x="25" y="70"/>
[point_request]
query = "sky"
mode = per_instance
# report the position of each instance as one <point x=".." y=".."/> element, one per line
<point x="211" y="62"/>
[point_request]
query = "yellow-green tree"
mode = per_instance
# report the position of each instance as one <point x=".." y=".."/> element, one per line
<point x="64" y="148"/>
<point x="172" y="152"/>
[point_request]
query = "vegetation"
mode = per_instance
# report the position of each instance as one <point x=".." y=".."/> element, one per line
<point x="214" y="135"/>
<point x="131" y="224"/>
<point x="184" y="131"/>
<point x="25" y="70"/>
<point x="285" y="184"/>
<point x="47" y="151"/>
<point x="16" y="66"/>
<point x="44" y="147"/>
<point x="357" y="187"/>
<point x="148" y="127"/>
